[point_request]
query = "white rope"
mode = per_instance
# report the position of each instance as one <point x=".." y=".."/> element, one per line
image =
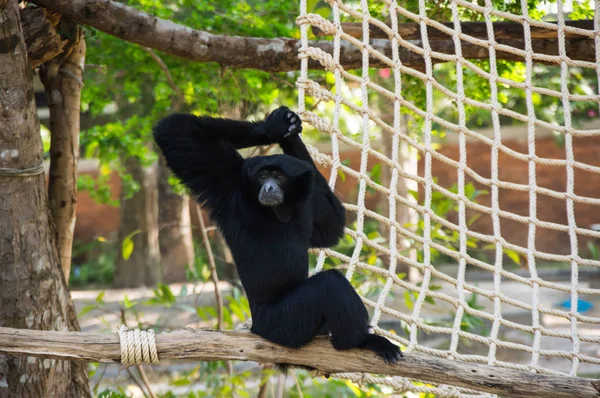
<point x="462" y="218"/>
<point x="393" y="236"/>
<point x="137" y="346"/>
<point x="424" y="290"/>
<point x="354" y="93"/>
<point x="366" y="142"/>
<point x="564" y="78"/>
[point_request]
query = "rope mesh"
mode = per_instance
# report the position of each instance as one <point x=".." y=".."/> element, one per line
<point x="524" y="327"/>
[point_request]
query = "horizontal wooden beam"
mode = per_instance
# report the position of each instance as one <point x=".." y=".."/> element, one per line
<point x="272" y="55"/>
<point x="502" y="30"/>
<point x="209" y="345"/>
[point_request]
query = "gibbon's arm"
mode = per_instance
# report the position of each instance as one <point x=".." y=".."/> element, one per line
<point x="201" y="152"/>
<point x="329" y="214"/>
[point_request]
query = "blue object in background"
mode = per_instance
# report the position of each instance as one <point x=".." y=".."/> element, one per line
<point x="582" y="306"/>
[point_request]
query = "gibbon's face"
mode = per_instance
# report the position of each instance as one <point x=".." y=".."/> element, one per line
<point x="273" y="182"/>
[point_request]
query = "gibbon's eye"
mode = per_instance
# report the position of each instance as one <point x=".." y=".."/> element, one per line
<point x="280" y="177"/>
<point x="263" y="175"/>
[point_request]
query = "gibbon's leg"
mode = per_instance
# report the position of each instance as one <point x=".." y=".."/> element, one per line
<point x="325" y="300"/>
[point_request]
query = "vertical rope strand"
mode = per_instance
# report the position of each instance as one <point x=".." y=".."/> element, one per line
<point x="366" y="142"/>
<point x="423" y="291"/>
<point x="564" y="88"/>
<point x="335" y="149"/>
<point x="531" y="260"/>
<point x="393" y="237"/>
<point x="462" y="217"/>
<point x="499" y="253"/>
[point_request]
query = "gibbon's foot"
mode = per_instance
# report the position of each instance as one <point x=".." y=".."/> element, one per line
<point x="387" y="350"/>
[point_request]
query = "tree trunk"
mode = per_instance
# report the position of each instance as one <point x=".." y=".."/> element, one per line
<point x="62" y="79"/>
<point x="33" y="292"/>
<point x="175" y="236"/>
<point x="139" y="222"/>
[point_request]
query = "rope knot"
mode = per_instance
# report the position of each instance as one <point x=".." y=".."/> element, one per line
<point x="137" y="346"/>
<point x="318" y="21"/>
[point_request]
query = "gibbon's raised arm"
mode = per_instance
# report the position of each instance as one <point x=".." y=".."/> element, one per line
<point x="329" y="215"/>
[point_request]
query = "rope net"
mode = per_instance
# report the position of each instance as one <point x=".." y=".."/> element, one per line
<point x="383" y="128"/>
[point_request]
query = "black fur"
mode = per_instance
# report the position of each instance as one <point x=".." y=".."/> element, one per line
<point x="271" y="255"/>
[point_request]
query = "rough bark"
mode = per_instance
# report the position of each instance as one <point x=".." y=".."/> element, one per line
<point x="41" y="38"/>
<point x="175" y="235"/>
<point x="210" y="345"/>
<point x="62" y="79"/>
<point x="273" y="55"/>
<point x="502" y="30"/>
<point x="139" y="216"/>
<point x="33" y="292"/>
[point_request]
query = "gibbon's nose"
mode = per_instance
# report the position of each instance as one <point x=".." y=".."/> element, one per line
<point x="270" y="186"/>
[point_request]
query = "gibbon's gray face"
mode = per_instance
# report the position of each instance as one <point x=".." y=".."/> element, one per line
<point x="272" y="186"/>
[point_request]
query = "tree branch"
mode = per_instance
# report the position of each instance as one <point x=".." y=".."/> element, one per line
<point x="502" y="30"/>
<point x="208" y="345"/>
<point x="179" y="99"/>
<point x="62" y="78"/>
<point x="272" y="55"/>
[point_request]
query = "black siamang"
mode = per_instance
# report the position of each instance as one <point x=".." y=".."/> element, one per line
<point x="271" y="210"/>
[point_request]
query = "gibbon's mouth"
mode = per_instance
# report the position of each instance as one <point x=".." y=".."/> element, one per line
<point x="270" y="200"/>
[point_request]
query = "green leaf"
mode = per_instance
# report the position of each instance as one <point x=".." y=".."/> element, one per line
<point x="408" y="300"/>
<point x="237" y="310"/>
<point x="513" y="255"/>
<point x="127" y="303"/>
<point x="201" y="313"/>
<point x="180" y="382"/>
<point x="100" y="297"/>
<point x="86" y="309"/>
<point x="593" y="250"/>
<point x="127" y="245"/>
<point x="127" y="248"/>
<point x="415" y="194"/>
<point x="310" y="5"/>
<point x="323" y="11"/>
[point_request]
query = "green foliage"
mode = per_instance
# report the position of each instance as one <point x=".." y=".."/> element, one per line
<point x="162" y="296"/>
<point x="471" y="323"/>
<point x="132" y="92"/>
<point x="593" y="250"/>
<point x="93" y="263"/>
<point x="443" y="206"/>
<point x="99" y="303"/>
<point x="97" y="187"/>
<point x="333" y="388"/>
<point x="110" y="393"/>
<point x="582" y="9"/>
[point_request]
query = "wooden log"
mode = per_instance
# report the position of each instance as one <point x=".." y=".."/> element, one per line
<point x="209" y="345"/>
<point x="502" y="30"/>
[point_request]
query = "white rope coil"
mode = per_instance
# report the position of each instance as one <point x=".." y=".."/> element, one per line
<point x="137" y="346"/>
